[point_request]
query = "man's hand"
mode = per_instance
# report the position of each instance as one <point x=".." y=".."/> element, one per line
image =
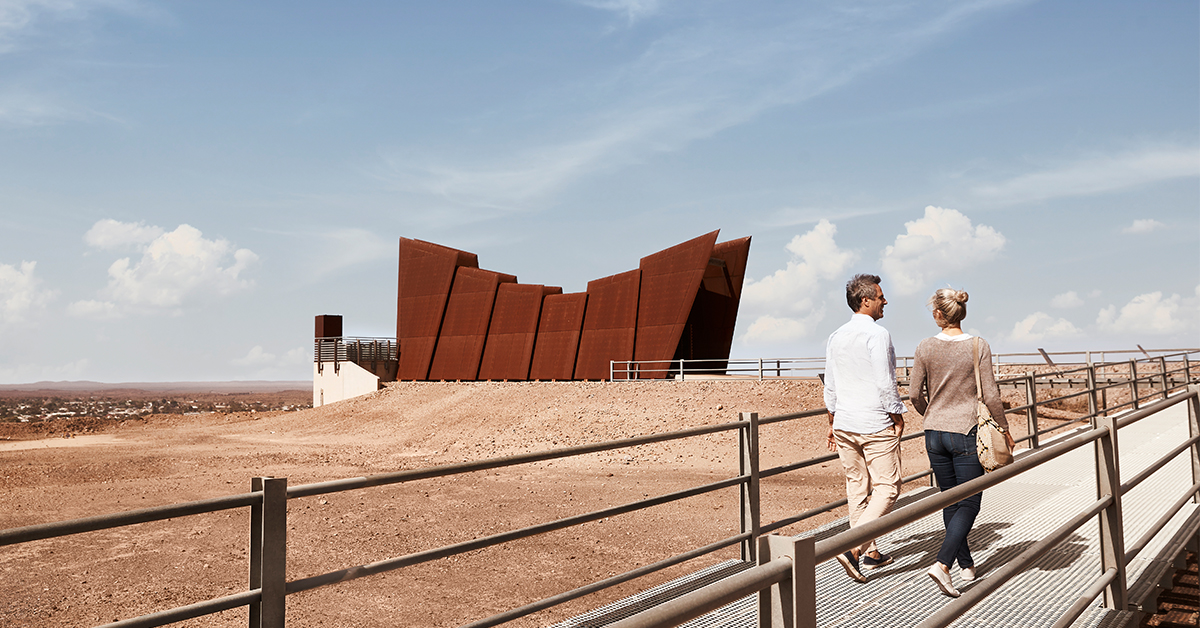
<point x="898" y="419"/>
<point x="829" y="439"/>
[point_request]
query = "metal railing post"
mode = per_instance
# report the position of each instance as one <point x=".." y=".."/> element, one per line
<point x="1112" y="533"/>
<point x="1187" y="370"/>
<point x="1193" y="405"/>
<point x="682" y="376"/>
<point x="1162" y="365"/>
<point x="791" y="603"/>
<point x="268" y="552"/>
<point x="1133" y="383"/>
<point x="1093" y="402"/>
<point x="748" y="468"/>
<point x="1031" y="411"/>
<point x="760" y="369"/>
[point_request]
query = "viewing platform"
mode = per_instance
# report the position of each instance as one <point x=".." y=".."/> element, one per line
<point x="1015" y="515"/>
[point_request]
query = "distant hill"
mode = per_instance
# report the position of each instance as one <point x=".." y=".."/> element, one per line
<point x="252" y="386"/>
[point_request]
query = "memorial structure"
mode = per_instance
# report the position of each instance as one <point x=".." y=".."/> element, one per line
<point x="456" y="321"/>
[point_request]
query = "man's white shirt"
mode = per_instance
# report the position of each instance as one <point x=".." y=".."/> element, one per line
<point x="860" y="377"/>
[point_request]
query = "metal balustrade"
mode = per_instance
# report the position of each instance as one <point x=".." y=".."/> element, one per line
<point x="784" y="576"/>
<point x="371" y="353"/>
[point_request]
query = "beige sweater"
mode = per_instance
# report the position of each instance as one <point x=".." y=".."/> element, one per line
<point x="942" y="388"/>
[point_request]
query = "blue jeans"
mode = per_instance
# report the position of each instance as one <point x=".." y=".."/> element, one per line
<point x="954" y="461"/>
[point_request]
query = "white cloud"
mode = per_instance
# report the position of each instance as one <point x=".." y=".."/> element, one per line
<point x="256" y="357"/>
<point x="717" y="72"/>
<point x="632" y="10"/>
<point x="112" y="234"/>
<point x="95" y="310"/>
<point x="262" y="364"/>
<point x="1040" y="326"/>
<point x="943" y="240"/>
<point x="175" y="267"/>
<point x="1150" y="314"/>
<point x="1066" y="300"/>
<point x="1145" y="225"/>
<point x="788" y="304"/>
<point x="32" y="373"/>
<point x="1097" y="175"/>
<point x="21" y="292"/>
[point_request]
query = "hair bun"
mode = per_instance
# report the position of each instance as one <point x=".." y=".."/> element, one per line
<point x="960" y="297"/>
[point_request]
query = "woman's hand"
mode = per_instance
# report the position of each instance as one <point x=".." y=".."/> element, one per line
<point x="1012" y="444"/>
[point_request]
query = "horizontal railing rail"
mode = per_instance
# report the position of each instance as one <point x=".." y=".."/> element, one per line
<point x="361" y="350"/>
<point x="269" y="497"/>
<point x="808" y="368"/>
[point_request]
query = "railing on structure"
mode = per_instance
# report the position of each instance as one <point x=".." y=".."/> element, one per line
<point x="782" y="560"/>
<point x="804" y="368"/>
<point x="757" y="369"/>
<point x="364" y="351"/>
<point x="785" y="578"/>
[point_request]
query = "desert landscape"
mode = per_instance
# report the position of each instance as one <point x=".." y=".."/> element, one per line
<point x="62" y="469"/>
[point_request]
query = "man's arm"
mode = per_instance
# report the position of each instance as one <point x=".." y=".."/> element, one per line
<point x="883" y="367"/>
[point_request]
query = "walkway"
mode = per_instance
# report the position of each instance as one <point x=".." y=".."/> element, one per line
<point x="1015" y="515"/>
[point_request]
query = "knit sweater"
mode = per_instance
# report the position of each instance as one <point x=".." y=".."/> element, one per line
<point x="942" y="387"/>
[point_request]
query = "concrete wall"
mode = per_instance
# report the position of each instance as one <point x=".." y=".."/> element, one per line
<point x="346" y="381"/>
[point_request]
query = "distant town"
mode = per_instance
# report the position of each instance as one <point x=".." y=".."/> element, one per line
<point x="45" y="405"/>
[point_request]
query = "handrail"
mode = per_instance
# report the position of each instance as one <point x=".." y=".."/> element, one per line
<point x="352" y="573"/>
<point x="130" y="517"/>
<point x="711" y="597"/>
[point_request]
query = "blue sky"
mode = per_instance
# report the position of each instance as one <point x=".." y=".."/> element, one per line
<point x="184" y="185"/>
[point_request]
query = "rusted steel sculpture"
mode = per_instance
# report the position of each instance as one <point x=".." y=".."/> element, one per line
<point x="457" y="322"/>
<point x="465" y="324"/>
<point x="557" y="341"/>
<point x="426" y="274"/>
<point x="510" y="338"/>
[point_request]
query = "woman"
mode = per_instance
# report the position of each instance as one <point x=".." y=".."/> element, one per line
<point x="942" y="389"/>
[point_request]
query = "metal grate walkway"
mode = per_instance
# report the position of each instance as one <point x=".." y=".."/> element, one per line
<point x="1014" y="516"/>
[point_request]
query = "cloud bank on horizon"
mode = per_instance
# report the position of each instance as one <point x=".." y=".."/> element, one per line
<point x="185" y="186"/>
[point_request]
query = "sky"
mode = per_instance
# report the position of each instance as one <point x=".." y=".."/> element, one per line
<point x="185" y="185"/>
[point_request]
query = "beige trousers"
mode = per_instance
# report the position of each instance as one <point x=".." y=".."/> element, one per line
<point x="872" y="466"/>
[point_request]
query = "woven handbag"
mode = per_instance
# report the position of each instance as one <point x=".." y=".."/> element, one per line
<point x="989" y="436"/>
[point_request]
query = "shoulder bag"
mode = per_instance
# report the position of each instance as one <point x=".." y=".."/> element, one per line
<point x="989" y="436"/>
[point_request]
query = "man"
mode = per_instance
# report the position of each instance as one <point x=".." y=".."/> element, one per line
<point x="865" y="422"/>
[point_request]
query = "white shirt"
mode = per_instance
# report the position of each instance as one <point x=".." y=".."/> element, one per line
<point x="860" y="377"/>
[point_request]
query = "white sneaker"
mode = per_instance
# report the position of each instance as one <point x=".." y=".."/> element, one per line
<point x="967" y="574"/>
<point x="943" y="581"/>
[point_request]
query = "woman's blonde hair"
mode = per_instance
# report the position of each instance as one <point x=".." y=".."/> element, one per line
<point x="951" y="303"/>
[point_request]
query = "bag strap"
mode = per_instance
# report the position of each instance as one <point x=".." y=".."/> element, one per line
<point x="975" y="361"/>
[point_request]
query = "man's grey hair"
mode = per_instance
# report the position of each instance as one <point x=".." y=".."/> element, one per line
<point x="859" y="288"/>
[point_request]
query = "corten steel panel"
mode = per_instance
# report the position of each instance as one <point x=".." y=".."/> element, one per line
<point x="710" y="326"/>
<point x="426" y="274"/>
<point x="734" y="253"/>
<point x="558" y="336"/>
<point x="329" y="326"/>
<point x="670" y="280"/>
<point x="610" y="324"/>
<point x="465" y="325"/>
<point x="509" y="349"/>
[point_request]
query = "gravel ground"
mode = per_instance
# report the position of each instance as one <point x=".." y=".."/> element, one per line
<point x="98" y="577"/>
